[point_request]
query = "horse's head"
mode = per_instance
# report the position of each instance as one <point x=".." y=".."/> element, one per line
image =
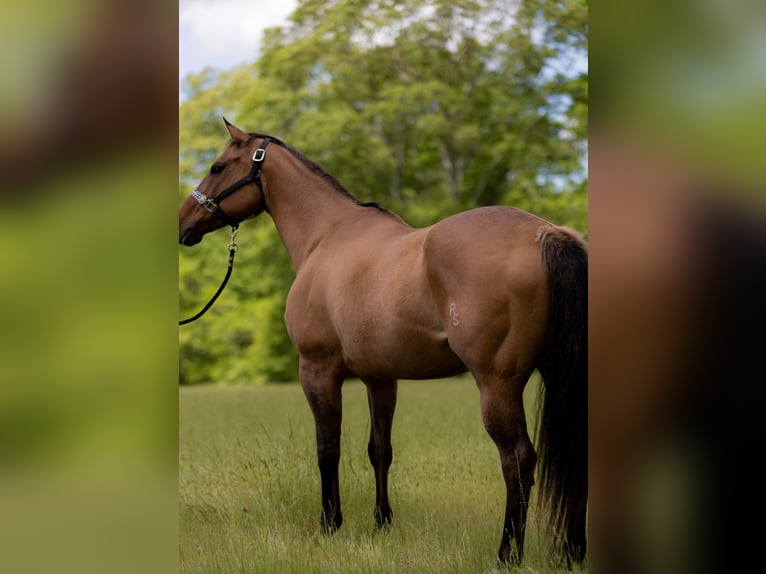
<point x="229" y="193"/>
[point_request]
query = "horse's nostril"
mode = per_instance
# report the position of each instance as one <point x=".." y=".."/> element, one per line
<point x="185" y="237"/>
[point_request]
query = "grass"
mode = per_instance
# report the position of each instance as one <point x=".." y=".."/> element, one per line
<point x="249" y="485"/>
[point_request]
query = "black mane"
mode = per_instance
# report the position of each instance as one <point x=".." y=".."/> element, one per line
<point x="315" y="168"/>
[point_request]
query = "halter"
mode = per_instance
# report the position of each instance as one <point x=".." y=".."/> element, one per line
<point x="212" y="204"/>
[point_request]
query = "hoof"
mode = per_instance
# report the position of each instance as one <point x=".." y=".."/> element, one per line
<point x="332" y="525"/>
<point x="383" y="519"/>
<point x="509" y="555"/>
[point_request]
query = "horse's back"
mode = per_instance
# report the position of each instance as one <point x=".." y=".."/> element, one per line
<point x="491" y="223"/>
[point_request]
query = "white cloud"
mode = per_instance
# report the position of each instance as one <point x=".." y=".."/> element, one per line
<point x="223" y="33"/>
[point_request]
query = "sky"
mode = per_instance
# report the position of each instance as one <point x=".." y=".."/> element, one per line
<point x="224" y="33"/>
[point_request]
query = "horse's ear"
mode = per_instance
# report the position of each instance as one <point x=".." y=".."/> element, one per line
<point x="236" y="134"/>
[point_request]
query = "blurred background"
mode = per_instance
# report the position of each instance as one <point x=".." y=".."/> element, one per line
<point x="677" y="276"/>
<point x="88" y="297"/>
<point x="429" y="108"/>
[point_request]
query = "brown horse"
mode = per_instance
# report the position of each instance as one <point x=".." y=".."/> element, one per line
<point x="495" y="291"/>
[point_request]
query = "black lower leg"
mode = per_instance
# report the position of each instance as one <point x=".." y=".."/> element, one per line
<point x="380" y="459"/>
<point x="332" y="516"/>
<point x="382" y="400"/>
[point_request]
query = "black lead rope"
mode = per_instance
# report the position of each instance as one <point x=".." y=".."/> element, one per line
<point x="232" y="250"/>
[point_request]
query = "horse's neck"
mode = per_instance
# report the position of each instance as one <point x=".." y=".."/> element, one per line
<point x="305" y="208"/>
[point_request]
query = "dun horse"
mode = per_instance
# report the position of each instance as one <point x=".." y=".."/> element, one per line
<point x="495" y="291"/>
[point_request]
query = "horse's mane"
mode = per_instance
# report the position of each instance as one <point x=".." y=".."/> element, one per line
<point x="316" y="169"/>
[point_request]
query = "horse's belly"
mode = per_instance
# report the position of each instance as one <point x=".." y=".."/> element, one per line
<point x="402" y="356"/>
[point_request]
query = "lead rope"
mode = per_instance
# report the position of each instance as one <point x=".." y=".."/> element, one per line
<point x="232" y="250"/>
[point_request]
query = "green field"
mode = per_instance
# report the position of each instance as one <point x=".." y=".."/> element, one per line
<point x="249" y="485"/>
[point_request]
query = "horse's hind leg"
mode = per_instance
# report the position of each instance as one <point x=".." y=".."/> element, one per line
<point x="502" y="410"/>
<point x="381" y="396"/>
<point x="322" y="387"/>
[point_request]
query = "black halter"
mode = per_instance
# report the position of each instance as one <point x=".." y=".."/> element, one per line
<point x="212" y="204"/>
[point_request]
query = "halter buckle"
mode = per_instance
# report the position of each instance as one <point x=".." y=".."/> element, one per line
<point x="210" y="205"/>
<point x="259" y="155"/>
<point x="204" y="201"/>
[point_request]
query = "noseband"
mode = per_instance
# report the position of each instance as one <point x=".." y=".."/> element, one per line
<point x="212" y="204"/>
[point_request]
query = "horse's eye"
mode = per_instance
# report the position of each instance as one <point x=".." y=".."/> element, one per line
<point x="217" y="168"/>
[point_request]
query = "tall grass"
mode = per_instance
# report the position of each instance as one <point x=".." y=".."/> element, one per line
<point x="249" y="485"/>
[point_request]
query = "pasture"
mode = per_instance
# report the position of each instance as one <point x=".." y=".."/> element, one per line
<point x="249" y="484"/>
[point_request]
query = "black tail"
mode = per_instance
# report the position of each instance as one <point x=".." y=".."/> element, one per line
<point x="563" y="417"/>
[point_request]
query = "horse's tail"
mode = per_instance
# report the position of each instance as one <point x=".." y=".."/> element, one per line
<point x="563" y="409"/>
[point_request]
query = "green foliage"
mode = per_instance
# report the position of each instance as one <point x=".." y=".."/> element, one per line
<point x="427" y="107"/>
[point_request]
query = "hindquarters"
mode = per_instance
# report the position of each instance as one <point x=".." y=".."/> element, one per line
<point x="489" y="284"/>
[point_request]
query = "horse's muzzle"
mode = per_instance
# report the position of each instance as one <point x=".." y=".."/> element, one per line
<point x="189" y="237"/>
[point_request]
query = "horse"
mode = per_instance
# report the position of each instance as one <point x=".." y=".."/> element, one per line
<point x="494" y="291"/>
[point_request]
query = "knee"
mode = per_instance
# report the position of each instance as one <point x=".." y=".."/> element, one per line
<point x="382" y="454"/>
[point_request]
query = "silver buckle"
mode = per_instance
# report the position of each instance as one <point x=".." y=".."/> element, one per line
<point x="202" y="199"/>
<point x="210" y="205"/>
<point x="259" y="155"/>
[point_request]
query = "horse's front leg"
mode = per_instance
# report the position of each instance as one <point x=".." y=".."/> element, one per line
<point x="322" y="386"/>
<point x="381" y="396"/>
